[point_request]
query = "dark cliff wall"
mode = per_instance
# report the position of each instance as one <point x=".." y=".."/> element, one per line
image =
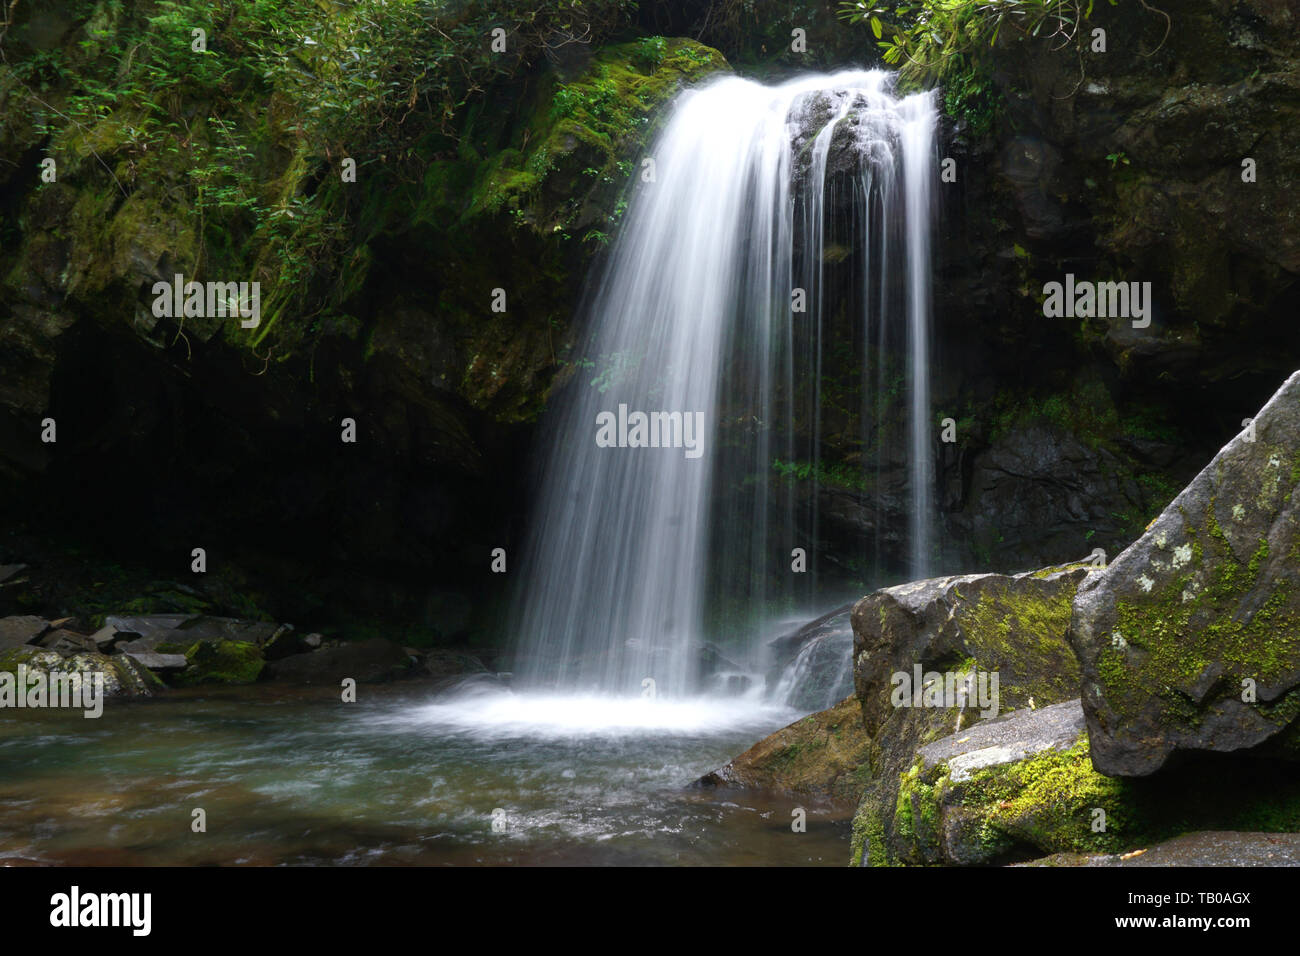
<point x="1071" y="433"/>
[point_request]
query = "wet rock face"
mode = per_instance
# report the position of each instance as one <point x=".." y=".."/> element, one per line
<point x="1036" y="495"/>
<point x="1140" y="152"/>
<point x="1190" y="639"/>
<point x="171" y="415"/>
<point x="1118" y="165"/>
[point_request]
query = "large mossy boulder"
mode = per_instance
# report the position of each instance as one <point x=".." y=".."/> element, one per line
<point x="974" y="796"/>
<point x="1190" y="639"/>
<point x="1023" y="786"/>
<point x="823" y="755"/>
<point x="1011" y="626"/>
<point x="221" y="662"/>
<point x="123" y="677"/>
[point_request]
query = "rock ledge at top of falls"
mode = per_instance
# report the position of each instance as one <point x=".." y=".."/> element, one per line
<point x="1190" y="639"/>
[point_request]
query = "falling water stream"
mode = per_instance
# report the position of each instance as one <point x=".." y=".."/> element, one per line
<point x="714" y="307"/>
<point x="714" y="300"/>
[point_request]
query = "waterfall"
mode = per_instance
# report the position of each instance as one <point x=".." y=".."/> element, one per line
<point x="712" y="309"/>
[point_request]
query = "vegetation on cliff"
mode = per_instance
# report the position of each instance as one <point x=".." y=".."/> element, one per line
<point x="227" y="136"/>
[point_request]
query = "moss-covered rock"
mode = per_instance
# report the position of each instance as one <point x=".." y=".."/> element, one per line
<point x="545" y="190"/>
<point x="1013" y="627"/>
<point x="221" y="662"/>
<point x="1019" y="805"/>
<point x="1190" y="639"/>
<point x="824" y="754"/>
<point x="577" y="148"/>
<point x="123" y="677"/>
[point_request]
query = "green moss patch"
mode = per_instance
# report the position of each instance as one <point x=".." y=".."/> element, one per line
<point x="222" y="662"/>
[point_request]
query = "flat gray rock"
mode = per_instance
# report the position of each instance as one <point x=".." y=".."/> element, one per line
<point x="104" y="636"/>
<point x="1205" y="848"/>
<point x="159" y="662"/>
<point x="1008" y="739"/>
<point x="146" y="645"/>
<point x="215" y="629"/>
<point x="21" y="629"/>
<point x="185" y="629"/>
<point x="148" y="625"/>
<point x="66" y="641"/>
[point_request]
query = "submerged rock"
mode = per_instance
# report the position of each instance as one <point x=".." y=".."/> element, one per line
<point x="1190" y="639"/>
<point x="440" y="662"/>
<point x="824" y="754"/>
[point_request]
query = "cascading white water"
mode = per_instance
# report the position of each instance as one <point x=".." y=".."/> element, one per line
<point x="697" y="313"/>
<point x="918" y="159"/>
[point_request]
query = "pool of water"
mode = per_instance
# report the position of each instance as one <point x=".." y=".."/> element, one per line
<point x="403" y="776"/>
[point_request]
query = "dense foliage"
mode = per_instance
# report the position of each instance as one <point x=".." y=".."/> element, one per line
<point x="251" y="118"/>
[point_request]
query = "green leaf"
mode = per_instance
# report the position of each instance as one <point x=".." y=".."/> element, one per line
<point x="876" y="27"/>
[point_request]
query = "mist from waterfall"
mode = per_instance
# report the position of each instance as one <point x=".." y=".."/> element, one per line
<point x="714" y="300"/>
